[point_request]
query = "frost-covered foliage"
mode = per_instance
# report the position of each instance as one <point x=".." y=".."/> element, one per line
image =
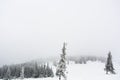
<point x="27" y="71"/>
<point x="8" y="74"/>
<point x="22" y="73"/>
<point x="61" y="69"/>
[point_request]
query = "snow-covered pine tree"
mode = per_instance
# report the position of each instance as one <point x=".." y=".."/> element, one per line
<point x="36" y="70"/>
<point x="8" y="74"/>
<point x="61" y="69"/>
<point x="22" y="73"/>
<point x="49" y="71"/>
<point x="109" y="65"/>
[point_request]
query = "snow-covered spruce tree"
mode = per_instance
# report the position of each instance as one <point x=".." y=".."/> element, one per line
<point x="61" y="69"/>
<point x="109" y="65"/>
<point x="49" y="71"/>
<point x="36" y="71"/>
<point x="22" y="73"/>
<point x="42" y="71"/>
<point x="8" y="74"/>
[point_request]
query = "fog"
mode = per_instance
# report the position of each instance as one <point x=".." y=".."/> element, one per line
<point x="32" y="29"/>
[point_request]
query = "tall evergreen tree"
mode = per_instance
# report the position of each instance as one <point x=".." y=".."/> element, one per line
<point x="36" y="71"/>
<point x="109" y="65"/>
<point x="61" y="69"/>
<point x="49" y="71"/>
<point x="22" y="73"/>
<point x="8" y="74"/>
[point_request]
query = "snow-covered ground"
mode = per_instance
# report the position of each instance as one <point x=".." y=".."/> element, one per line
<point x="89" y="71"/>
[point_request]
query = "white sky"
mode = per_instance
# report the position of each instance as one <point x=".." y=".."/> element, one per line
<point x="31" y="29"/>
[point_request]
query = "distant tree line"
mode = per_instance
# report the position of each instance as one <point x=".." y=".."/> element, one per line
<point x="29" y="71"/>
<point x="85" y="59"/>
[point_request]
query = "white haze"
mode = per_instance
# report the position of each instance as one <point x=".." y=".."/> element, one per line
<point x="31" y="29"/>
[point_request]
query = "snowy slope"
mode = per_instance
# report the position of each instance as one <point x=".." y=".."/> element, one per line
<point x="89" y="71"/>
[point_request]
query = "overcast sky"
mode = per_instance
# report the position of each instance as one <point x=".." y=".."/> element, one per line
<point x="31" y="29"/>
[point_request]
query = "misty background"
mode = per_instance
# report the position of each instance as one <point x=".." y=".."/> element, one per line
<point x="33" y="29"/>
